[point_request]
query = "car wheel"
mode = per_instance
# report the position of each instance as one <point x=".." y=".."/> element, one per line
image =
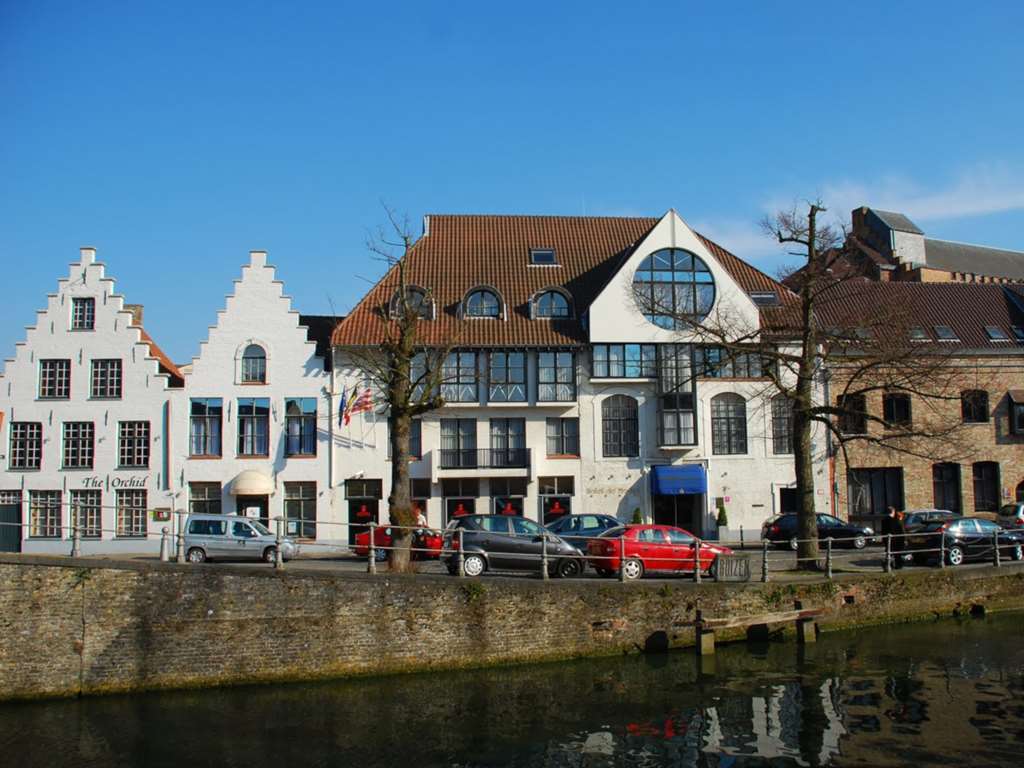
<point x="570" y="568"/>
<point x="859" y="542"/>
<point x="196" y="555"/>
<point x="793" y="544"/>
<point x="632" y="569"/>
<point x="270" y="554"/>
<point x="473" y="565"/>
<point x="380" y="555"/>
<point x="955" y="555"/>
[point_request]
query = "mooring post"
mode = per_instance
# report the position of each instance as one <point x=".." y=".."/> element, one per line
<point x="942" y="549"/>
<point x="828" y="557"/>
<point x="764" y="561"/>
<point x="278" y="552"/>
<point x="995" y="548"/>
<point x="806" y="631"/>
<point x="165" y="545"/>
<point x="544" y="556"/>
<point x="181" y="537"/>
<point x="371" y="552"/>
<point x="76" y="541"/>
<point x="696" y="561"/>
<point x="705" y="637"/>
<point x="622" y="557"/>
<point x="460" y="558"/>
<point x="887" y="567"/>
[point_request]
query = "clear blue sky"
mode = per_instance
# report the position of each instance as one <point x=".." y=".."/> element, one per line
<point x="175" y="137"/>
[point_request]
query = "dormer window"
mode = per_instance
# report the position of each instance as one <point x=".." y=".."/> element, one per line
<point x="945" y="333"/>
<point x="918" y="334"/>
<point x="551" y="304"/>
<point x="254" y="365"/>
<point x="1018" y="332"/>
<point x="543" y="257"/>
<point x="995" y="333"/>
<point x="482" y="303"/>
<point x="417" y="302"/>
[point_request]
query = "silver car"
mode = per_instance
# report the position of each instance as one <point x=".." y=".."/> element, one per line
<point x="232" y="537"/>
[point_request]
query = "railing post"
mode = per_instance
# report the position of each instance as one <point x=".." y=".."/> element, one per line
<point x="544" y="557"/>
<point x="942" y="549"/>
<point x="828" y="558"/>
<point x="76" y="540"/>
<point x="371" y="552"/>
<point x="696" y="561"/>
<point x="165" y="545"/>
<point x="764" y="561"/>
<point x="279" y="553"/>
<point x="995" y="546"/>
<point x="622" y="558"/>
<point x="888" y="553"/>
<point x="742" y="543"/>
<point x="460" y="559"/>
<point x="181" y="536"/>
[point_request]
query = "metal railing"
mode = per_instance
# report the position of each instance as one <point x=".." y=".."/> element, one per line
<point x="485" y="458"/>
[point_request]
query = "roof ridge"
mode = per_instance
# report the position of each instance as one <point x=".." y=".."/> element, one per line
<point x="533" y="216"/>
<point x="973" y="245"/>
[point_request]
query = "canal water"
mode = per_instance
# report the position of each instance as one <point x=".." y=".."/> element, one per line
<point x="949" y="693"/>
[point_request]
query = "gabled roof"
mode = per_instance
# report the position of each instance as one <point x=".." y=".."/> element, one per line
<point x="166" y="366"/>
<point x="897" y="221"/>
<point x="973" y="259"/>
<point x="461" y="252"/>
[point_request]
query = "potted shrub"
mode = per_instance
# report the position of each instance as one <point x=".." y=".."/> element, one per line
<point x="638" y="518"/>
<point x="723" y="521"/>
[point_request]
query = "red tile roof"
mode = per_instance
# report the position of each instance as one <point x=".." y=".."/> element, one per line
<point x="462" y="252"/>
<point x="166" y="366"/>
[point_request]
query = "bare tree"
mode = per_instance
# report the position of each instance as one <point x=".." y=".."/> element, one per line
<point x="405" y="373"/>
<point x="824" y="348"/>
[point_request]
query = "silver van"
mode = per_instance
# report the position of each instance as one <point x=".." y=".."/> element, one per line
<point x="232" y="537"/>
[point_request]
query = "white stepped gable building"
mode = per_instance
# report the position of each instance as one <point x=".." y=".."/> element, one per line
<point x="255" y="435"/>
<point x="563" y="396"/>
<point x="85" y="406"/>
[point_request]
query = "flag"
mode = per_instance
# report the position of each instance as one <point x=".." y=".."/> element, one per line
<point x="342" y="404"/>
<point x="357" y="403"/>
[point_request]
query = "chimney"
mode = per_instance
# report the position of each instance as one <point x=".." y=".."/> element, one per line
<point x="88" y="255"/>
<point x="136" y="310"/>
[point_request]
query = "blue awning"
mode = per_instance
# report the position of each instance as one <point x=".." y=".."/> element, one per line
<point x="673" y="481"/>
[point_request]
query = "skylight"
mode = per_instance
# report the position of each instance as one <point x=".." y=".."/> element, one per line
<point x="543" y="256"/>
<point x="919" y="334"/>
<point x="995" y="333"/>
<point x="1018" y="332"/>
<point x="764" y="298"/>
<point x="945" y="333"/>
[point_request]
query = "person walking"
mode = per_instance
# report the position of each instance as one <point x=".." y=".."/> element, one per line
<point x="892" y="526"/>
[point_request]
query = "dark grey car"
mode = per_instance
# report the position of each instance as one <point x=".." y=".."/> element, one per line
<point x="503" y="542"/>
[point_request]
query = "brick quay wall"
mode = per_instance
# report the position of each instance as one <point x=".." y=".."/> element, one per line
<point x="78" y="627"/>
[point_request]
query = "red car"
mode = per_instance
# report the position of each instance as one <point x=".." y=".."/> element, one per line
<point x="650" y="548"/>
<point x="426" y="543"/>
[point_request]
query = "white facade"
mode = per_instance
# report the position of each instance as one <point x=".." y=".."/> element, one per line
<point x="246" y="441"/>
<point x="123" y="494"/>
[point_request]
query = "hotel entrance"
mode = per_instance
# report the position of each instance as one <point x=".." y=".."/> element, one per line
<point x="678" y="496"/>
<point x="685" y="511"/>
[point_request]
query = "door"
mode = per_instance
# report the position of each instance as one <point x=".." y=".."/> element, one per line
<point x="243" y="541"/>
<point x="984" y="545"/>
<point x="682" y="548"/>
<point x="261" y="503"/>
<point x="361" y="512"/>
<point x="654" y="550"/>
<point x="10" y="527"/>
<point x="496" y="540"/>
<point x="789" y="501"/>
<point x="528" y="542"/>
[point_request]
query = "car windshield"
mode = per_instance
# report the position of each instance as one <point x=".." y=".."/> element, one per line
<point x="523" y="527"/>
<point x="260" y="528"/>
<point x="612" y="533"/>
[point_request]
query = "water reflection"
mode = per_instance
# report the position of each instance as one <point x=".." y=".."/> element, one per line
<point x="927" y="694"/>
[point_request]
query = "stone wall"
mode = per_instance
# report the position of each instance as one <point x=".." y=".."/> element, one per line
<point x="79" y="627"/>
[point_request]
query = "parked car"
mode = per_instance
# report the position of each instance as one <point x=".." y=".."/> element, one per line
<point x="651" y="548"/>
<point x="232" y="537"/>
<point x="426" y="543"/>
<point x="966" y="538"/>
<point x="782" y="531"/>
<point x="507" y="542"/>
<point x="1011" y="515"/>
<point x="916" y="519"/>
<point x="576" y="527"/>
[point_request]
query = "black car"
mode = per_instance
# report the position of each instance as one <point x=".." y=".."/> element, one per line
<point x="917" y="519"/>
<point x="782" y="531"/>
<point x="966" y="538"/>
<point x="505" y="542"/>
<point x="575" y="528"/>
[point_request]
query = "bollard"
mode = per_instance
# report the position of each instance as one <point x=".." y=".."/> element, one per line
<point x="460" y="561"/>
<point x="371" y="552"/>
<point x="764" y="561"/>
<point x="181" y="537"/>
<point x="76" y="541"/>
<point x="887" y="567"/>
<point x="622" y="557"/>
<point x="165" y="545"/>
<point x="942" y="549"/>
<point x="279" y="553"/>
<point x="696" y="561"/>
<point x="544" y="557"/>
<point x="995" y="547"/>
<point x="828" y="558"/>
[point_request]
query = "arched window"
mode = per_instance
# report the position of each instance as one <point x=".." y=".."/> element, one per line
<point x="620" y="426"/>
<point x="482" y="303"/>
<point x="416" y="300"/>
<point x="551" y="304"/>
<point x="782" y="425"/>
<point x="254" y="365"/>
<point x="674" y="288"/>
<point x="728" y="424"/>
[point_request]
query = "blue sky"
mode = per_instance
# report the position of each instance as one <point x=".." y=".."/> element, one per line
<point x="175" y="137"/>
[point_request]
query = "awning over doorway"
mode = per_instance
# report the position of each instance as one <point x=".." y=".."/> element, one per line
<point x="673" y="481"/>
<point x="251" y="483"/>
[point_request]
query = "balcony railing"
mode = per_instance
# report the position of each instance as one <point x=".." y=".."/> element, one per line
<point x="485" y="458"/>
